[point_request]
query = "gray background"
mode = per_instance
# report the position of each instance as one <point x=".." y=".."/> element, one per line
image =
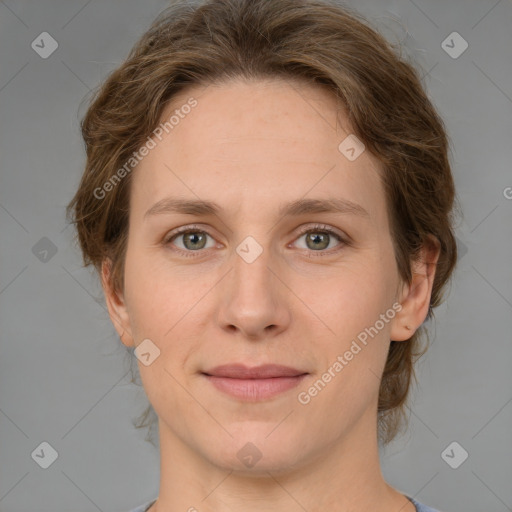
<point x="64" y="375"/>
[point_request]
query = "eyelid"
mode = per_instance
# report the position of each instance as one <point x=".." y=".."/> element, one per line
<point x="182" y="230"/>
<point x="321" y="227"/>
<point x="342" y="238"/>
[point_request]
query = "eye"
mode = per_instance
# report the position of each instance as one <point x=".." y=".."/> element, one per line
<point x="193" y="239"/>
<point x="318" y="238"/>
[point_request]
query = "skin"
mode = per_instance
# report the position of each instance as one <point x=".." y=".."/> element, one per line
<point x="250" y="147"/>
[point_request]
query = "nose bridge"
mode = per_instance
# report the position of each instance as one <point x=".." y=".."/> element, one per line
<point x="251" y="300"/>
<point x="252" y="277"/>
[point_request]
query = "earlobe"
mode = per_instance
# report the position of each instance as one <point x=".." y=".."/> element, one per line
<point x="116" y="305"/>
<point x="415" y="297"/>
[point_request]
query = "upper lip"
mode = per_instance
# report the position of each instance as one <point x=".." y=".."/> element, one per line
<point x="266" y="371"/>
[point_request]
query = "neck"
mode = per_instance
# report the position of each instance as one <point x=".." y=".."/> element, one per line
<point x="344" y="476"/>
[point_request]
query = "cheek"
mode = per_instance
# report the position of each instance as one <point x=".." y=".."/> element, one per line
<point x="353" y="309"/>
<point x="358" y="294"/>
<point x="148" y="295"/>
<point x="162" y="298"/>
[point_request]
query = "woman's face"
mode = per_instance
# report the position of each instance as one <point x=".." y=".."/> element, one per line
<point x="248" y="286"/>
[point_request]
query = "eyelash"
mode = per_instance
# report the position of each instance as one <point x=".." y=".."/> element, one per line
<point x="318" y="228"/>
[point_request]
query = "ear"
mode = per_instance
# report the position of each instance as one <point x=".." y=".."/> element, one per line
<point x="116" y="305"/>
<point x="415" y="297"/>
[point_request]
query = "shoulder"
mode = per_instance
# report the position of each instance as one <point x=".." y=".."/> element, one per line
<point x="143" y="507"/>
<point x="422" y="508"/>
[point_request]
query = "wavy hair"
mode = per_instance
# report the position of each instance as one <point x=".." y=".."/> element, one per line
<point x="317" y="41"/>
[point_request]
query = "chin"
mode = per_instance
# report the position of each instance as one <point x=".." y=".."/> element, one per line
<point x="253" y="451"/>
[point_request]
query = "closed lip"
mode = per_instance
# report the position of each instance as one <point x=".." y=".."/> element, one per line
<point x="241" y="371"/>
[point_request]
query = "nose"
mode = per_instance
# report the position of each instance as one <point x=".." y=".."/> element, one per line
<point x="253" y="298"/>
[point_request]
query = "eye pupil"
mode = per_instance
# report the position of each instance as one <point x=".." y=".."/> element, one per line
<point x="194" y="240"/>
<point x="194" y="235"/>
<point x="314" y="238"/>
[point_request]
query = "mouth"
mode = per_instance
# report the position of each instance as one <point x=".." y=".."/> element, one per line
<point x="254" y="384"/>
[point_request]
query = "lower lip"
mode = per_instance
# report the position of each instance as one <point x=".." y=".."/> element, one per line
<point x="255" y="389"/>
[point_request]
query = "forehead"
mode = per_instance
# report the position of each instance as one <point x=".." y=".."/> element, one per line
<point x="254" y="142"/>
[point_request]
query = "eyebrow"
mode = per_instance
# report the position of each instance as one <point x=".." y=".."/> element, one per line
<point x="293" y="208"/>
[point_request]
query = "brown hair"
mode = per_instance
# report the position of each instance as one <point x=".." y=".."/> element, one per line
<point x="316" y="41"/>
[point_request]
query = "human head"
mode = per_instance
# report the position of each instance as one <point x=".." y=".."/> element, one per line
<point x="313" y="42"/>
